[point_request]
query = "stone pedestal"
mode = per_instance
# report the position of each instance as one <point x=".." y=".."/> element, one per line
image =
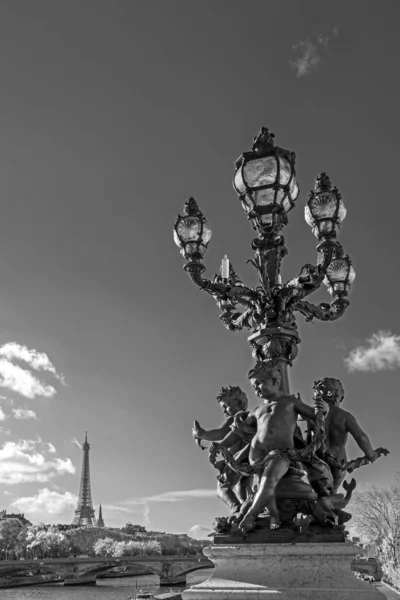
<point x="301" y="571"/>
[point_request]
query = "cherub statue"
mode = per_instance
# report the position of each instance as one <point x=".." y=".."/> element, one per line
<point x="232" y="489"/>
<point x="338" y="424"/>
<point x="272" y="448"/>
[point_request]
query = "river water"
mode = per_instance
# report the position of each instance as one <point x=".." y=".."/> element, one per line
<point x="105" y="589"/>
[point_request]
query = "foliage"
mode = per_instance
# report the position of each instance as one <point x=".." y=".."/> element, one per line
<point x="376" y="519"/>
<point x="11" y="537"/>
<point x="104" y="546"/>
<point x="46" y="542"/>
<point x="83" y="539"/>
<point x="54" y="541"/>
<point x="110" y="547"/>
<point x="181" y="545"/>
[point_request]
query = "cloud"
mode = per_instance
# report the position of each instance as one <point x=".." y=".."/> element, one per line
<point x="199" y="532"/>
<point x="23" y="381"/>
<point x="75" y="441"/>
<point x="308" y="58"/>
<point x="23" y="414"/>
<point x="3" y="416"/>
<point x="25" y="461"/>
<point x="381" y="352"/>
<point x="115" y="507"/>
<point x="308" y="52"/>
<point x="37" y="360"/>
<point x="173" y="496"/>
<point x="45" y="502"/>
<point x="142" y="503"/>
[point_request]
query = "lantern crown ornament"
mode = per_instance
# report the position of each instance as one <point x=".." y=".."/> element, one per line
<point x="191" y="231"/>
<point x="265" y="180"/>
<point x="325" y="209"/>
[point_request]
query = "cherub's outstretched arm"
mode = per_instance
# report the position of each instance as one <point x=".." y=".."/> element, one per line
<point x="360" y="437"/>
<point x="212" y="435"/>
<point x="232" y="437"/>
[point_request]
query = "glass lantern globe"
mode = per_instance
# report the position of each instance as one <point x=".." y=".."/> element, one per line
<point x="191" y="231"/>
<point x="325" y="209"/>
<point x="265" y="182"/>
<point x="339" y="276"/>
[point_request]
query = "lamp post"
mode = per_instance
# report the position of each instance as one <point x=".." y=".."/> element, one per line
<point x="265" y="181"/>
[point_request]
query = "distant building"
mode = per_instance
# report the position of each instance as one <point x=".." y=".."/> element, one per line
<point x="100" y="522"/>
<point x="132" y="529"/>
<point x="16" y="517"/>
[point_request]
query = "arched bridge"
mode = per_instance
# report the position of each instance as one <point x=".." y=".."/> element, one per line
<point x="170" y="569"/>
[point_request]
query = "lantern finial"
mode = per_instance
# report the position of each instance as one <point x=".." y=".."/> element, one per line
<point x="322" y="183"/>
<point x="264" y="140"/>
<point x="191" y="208"/>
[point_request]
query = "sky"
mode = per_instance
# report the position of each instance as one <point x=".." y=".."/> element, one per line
<point x="111" y="115"/>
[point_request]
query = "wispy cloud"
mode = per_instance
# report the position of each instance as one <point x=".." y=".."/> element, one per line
<point x="308" y="57"/>
<point x="116" y="508"/>
<point x="308" y="51"/>
<point x="199" y="532"/>
<point x="23" y="381"/>
<point x="75" y="441"/>
<point x="142" y="503"/>
<point x="173" y="496"/>
<point x="381" y="352"/>
<point x="23" y="414"/>
<point x="3" y="416"/>
<point x="25" y="461"/>
<point x="45" y="502"/>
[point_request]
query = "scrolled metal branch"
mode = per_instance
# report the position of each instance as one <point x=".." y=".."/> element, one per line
<point x="323" y="311"/>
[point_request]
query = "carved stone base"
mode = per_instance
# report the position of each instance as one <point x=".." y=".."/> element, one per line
<point x="281" y="536"/>
<point x="282" y="572"/>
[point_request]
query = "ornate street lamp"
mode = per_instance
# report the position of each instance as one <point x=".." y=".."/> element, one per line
<point x="265" y="180"/>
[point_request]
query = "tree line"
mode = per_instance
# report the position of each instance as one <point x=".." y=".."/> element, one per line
<point x="58" y="541"/>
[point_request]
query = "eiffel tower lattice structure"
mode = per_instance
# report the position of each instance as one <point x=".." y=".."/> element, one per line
<point x="84" y="513"/>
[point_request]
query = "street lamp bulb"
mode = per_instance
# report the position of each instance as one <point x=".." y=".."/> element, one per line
<point x="191" y="231"/>
<point x="339" y="276"/>
<point x="325" y="209"/>
<point x="265" y="182"/>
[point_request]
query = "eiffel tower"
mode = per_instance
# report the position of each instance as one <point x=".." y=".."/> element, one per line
<point x="84" y="513"/>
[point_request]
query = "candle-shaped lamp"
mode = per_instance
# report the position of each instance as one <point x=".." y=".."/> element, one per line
<point x="225" y="267"/>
